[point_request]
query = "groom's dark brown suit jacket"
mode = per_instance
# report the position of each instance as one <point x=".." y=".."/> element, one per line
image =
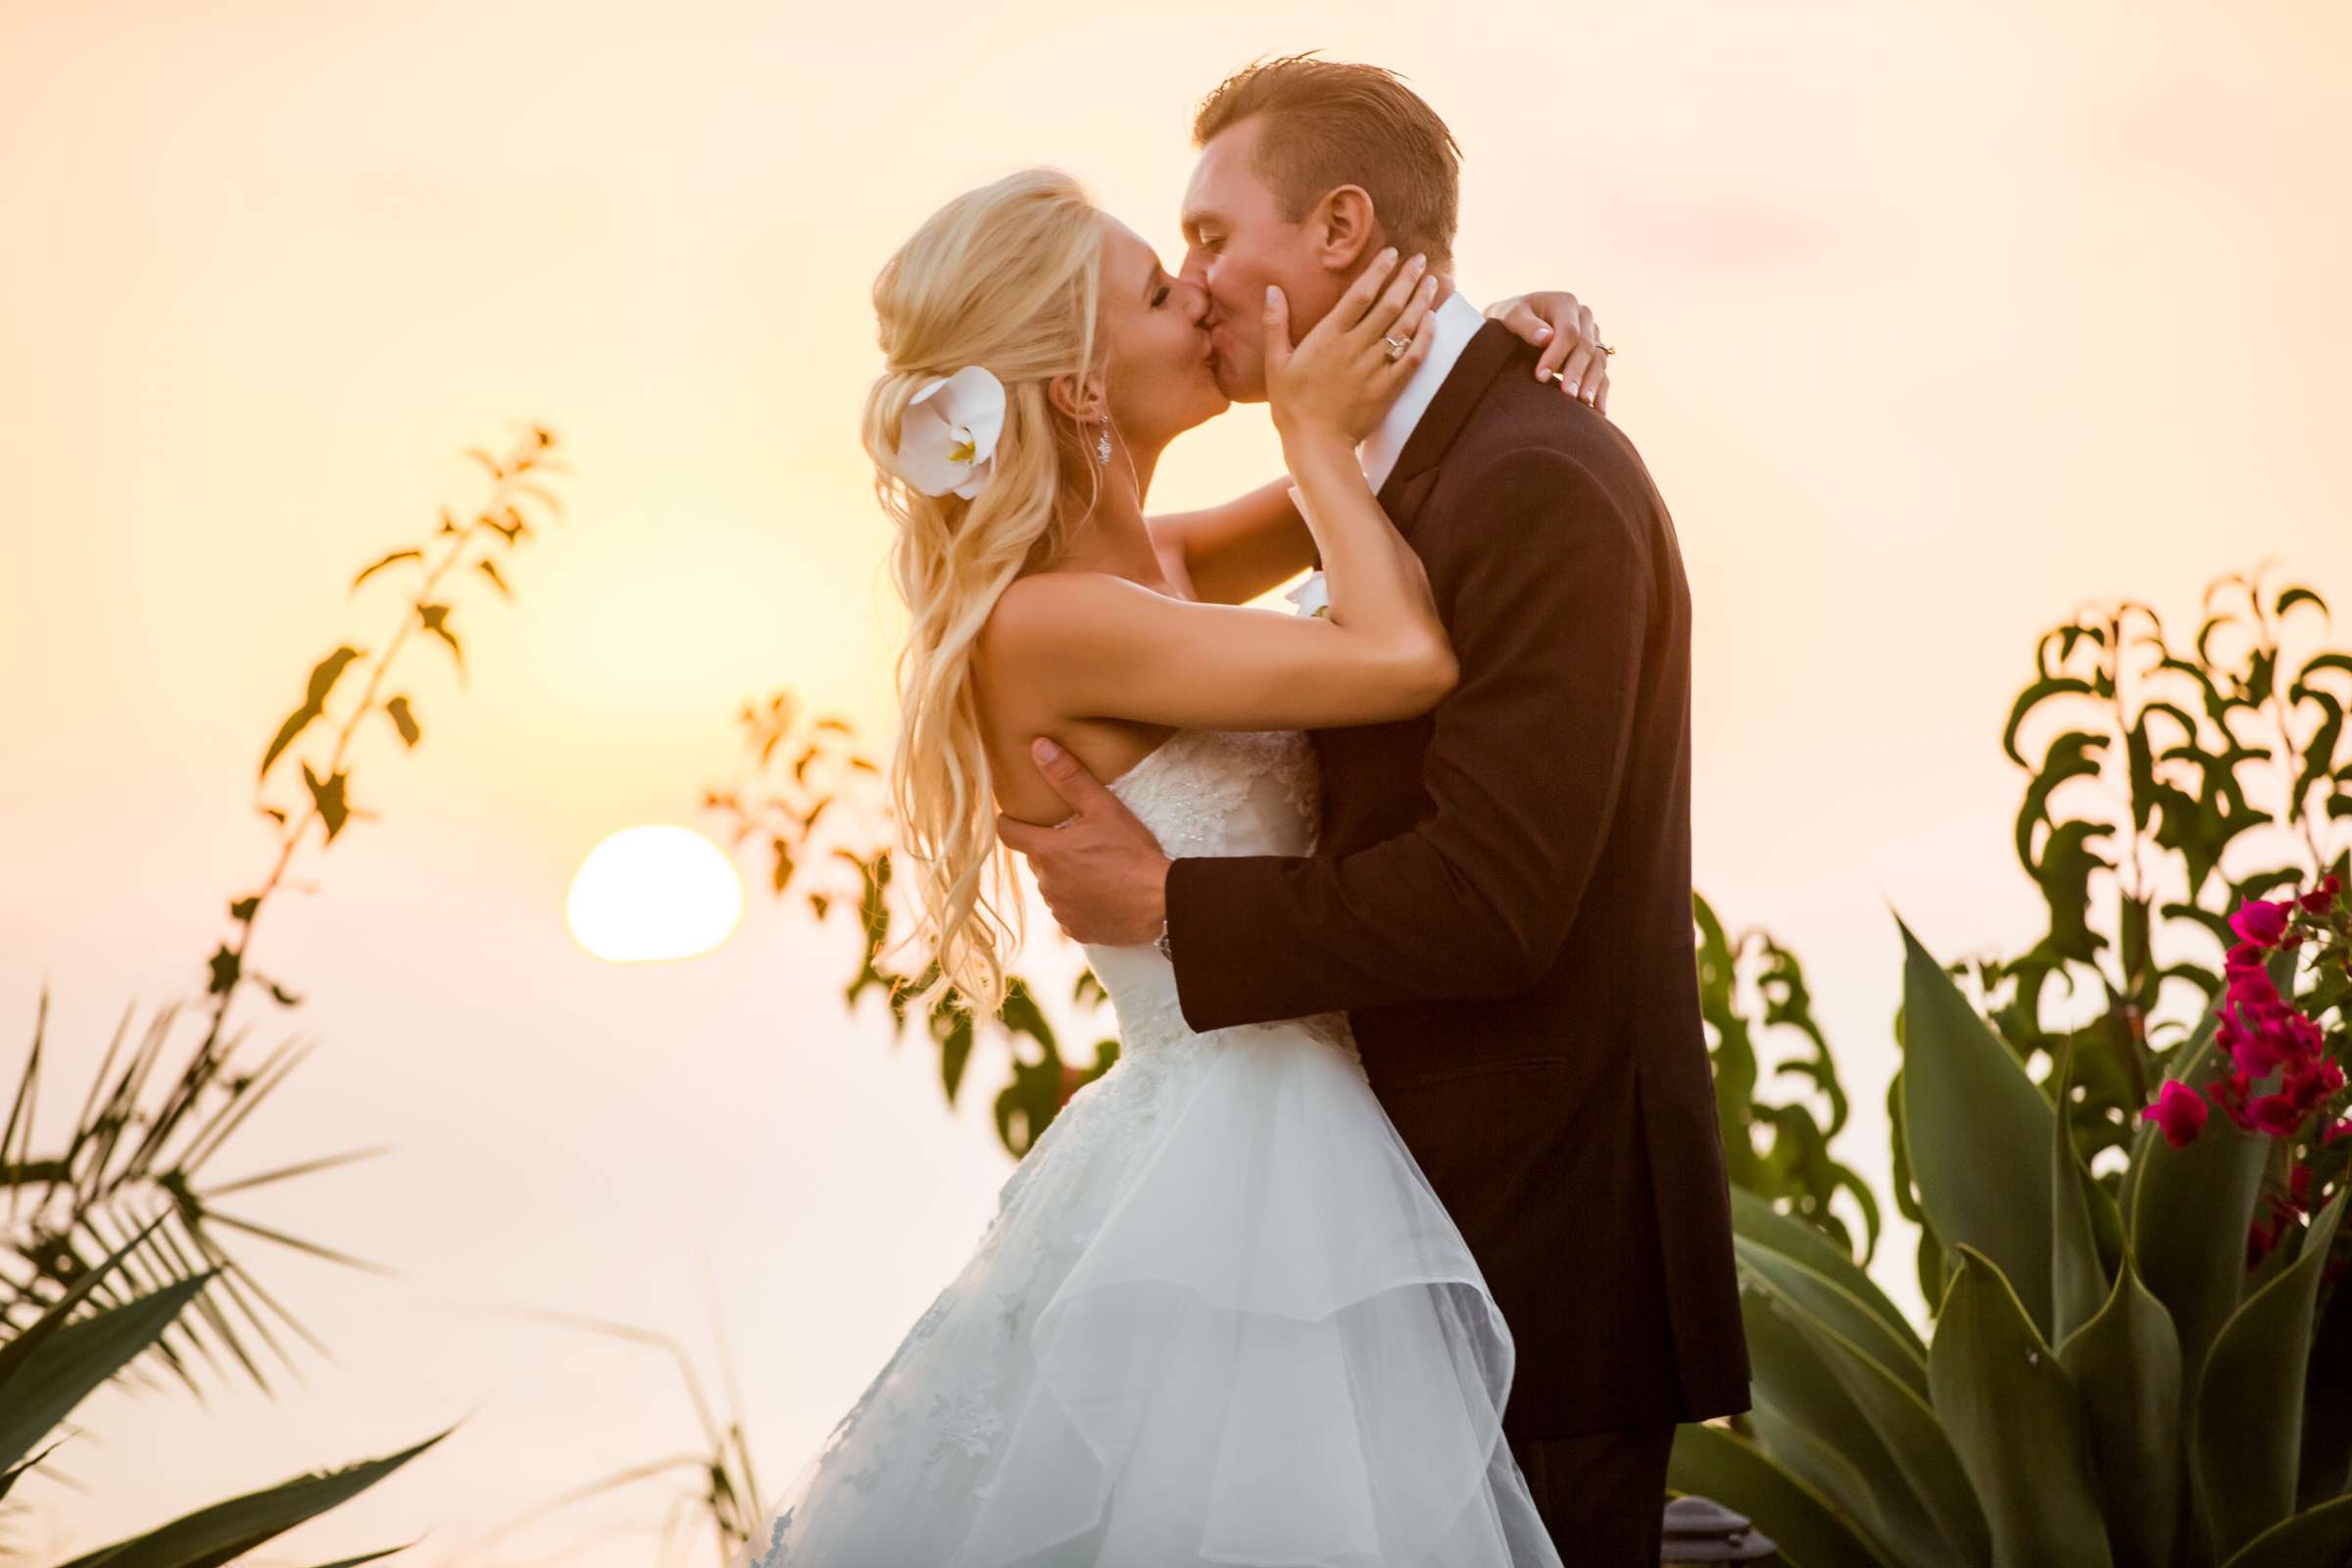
<point x="1500" y="901"/>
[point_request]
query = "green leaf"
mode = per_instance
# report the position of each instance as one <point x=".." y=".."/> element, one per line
<point x="2324" y="1470"/>
<point x="327" y="795"/>
<point x="2031" y="697"/>
<point x="403" y="719"/>
<point x="1713" y="1462"/>
<point x="324" y="676"/>
<point x="83" y="1354"/>
<point x="1761" y="1268"/>
<point x="2014" y="1420"/>
<point x="2321" y="1536"/>
<point x="436" y="621"/>
<point x="2081" y="1211"/>
<point x="2126" y="1364"/>
<point x="397" y="554"/>
<point x="2189" y="1210"/>
<point x="228" y="1530"/>
<point x="1978" y="1130"/>
<point x="17" y="1353"/>
<point x="2299" y="596"/>
<point x="2247" y="1418"/>
<point x="1757" y="1221"/>
<point x="1909" y="1434"/>
<point x="1817" y="1430"/>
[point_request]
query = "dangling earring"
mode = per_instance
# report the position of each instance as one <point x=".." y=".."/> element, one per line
<point x="1103" y="446"/>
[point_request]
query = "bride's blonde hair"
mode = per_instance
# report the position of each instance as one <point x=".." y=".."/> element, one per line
<point x="1005" y="277"/>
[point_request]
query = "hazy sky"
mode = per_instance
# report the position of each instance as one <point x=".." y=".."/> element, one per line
<point x="1933" y="320"/>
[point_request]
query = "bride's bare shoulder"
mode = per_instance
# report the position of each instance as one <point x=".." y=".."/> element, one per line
<point x="1049" y="613"/>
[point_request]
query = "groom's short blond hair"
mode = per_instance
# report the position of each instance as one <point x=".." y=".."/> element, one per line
<point x="1331" y="123"/>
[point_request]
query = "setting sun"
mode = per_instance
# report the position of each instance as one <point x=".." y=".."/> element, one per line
<point x="653" y="892"/>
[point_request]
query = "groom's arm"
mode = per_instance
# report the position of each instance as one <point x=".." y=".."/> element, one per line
<point x="1550" y="592"/>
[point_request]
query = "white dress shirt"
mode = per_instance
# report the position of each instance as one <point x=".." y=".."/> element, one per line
<point x="1455" y="320"/>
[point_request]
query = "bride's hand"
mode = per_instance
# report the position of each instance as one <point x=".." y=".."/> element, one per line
<point x="1348" y="370"/>
<point x="1569" y="337"/>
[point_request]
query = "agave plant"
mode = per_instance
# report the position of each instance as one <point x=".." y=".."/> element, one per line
<point x="2177" y="778"/>
<point x="2111" y="1378"/>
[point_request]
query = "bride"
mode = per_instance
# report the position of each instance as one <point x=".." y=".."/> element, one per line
<point x="1219" y="1316"/>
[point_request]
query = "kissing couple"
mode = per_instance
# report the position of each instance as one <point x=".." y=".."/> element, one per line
<point x="1398" y="1234"/>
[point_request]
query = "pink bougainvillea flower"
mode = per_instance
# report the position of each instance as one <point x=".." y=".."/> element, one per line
<point x="2276" y="1114"/>
<point x="2298" y="1187"/>
<point x="2261" y="923"/>
<point x="2321" y="899"/>
<point x="2336" y="1129"/>
<point x="2178" y="1113"/>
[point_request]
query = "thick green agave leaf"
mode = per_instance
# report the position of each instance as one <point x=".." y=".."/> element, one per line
<point x="1908" y="1430"/>
<point x="2323" y="1535"/>
<point x="2013" y="1419"/>
<point x="1808" y="1422"/>
<point x="2082" y="1217"/>
<point x="1809" y="1530"/>
<point x="2248" y="1419"/>
<point x="1979" y="1132"/>
<point x="1823" y="1297"/>
<point x="2125" y="1363"/>
<point x="1756" y="1220"/>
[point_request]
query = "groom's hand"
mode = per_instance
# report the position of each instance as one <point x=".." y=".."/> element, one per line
<point x="1101" y="871"/>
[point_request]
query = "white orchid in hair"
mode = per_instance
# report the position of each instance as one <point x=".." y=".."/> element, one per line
<point x="947" y="435"/>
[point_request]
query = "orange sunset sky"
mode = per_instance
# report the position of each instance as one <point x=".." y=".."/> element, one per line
<point x="1933" y="320"/>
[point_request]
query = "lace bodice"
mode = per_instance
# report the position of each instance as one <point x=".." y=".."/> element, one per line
<point x="1204" y="792"/>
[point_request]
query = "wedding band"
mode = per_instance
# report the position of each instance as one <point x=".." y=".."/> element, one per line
<point x="1397" y="346"/>
<point x="1606" y="349"/>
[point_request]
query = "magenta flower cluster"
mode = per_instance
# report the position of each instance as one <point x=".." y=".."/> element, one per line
<point x="2263" y="1034"/>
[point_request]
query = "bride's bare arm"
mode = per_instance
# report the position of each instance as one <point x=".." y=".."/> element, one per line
<point x="1235" y="552"/>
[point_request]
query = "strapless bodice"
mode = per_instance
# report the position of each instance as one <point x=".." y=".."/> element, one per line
<point x="1209" y="792"/>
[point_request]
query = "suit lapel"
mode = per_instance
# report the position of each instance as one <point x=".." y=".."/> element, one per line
<point x="1458" y="396"/>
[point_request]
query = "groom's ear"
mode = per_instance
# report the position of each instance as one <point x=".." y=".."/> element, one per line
<point x="1345" y="228"/>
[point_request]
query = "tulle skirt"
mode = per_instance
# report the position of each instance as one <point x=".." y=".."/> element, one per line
<point x="1218" y="1318"/>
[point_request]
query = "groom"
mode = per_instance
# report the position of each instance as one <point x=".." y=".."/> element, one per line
<point x="1500" y="899"/>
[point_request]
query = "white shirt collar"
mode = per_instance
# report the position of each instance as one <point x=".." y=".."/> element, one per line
<point x="1456" y="323"/>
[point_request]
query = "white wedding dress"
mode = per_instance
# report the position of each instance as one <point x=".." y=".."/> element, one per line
<point x="1219" y="1316"/>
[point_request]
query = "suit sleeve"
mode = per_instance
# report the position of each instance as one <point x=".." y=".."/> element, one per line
<point x="1548" y="593"/>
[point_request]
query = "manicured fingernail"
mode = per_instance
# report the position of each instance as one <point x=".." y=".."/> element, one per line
<point x="1571" y="390"/>
<point x="1542" y="335"/>
<point x="1271" y="293"/>
<point x="1389" y="254"/>
<point x="1043" y="749"/>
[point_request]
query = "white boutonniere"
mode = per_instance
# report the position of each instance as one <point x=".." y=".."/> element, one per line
<point x="947" y="435"/>
<point x="1309" y="596"/>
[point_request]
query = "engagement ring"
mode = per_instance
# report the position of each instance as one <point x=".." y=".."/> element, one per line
<point x="1397" y="346"/>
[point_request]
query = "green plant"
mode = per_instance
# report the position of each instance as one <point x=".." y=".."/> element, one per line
<point x="810" y="792"/>
<point x="2177" y="782"/>
<point x="2111" y="1380"/>
<point x="51" y="1364"/>
<point x="1778" y="1152"/>
<point x="118" y="1230"/>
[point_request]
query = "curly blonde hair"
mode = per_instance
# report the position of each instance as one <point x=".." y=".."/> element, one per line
<point x="1005" y="277"/>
